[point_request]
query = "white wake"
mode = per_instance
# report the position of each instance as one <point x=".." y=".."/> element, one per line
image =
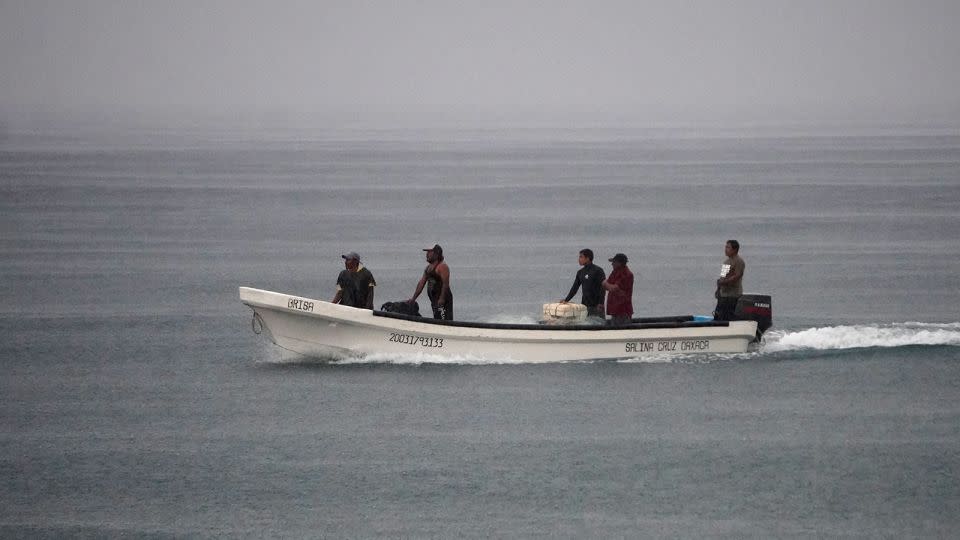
<point x="862" y="336"/>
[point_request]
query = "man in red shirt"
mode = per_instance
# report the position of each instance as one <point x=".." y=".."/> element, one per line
<point x="619" y="286"/>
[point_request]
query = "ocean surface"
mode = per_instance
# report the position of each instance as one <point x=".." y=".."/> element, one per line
<point x="136" y="402"/>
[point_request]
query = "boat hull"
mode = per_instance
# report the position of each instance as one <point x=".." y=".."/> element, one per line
<point x="329" y="331"/>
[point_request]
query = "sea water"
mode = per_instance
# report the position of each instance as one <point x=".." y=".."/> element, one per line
<point x="136" y="401"/>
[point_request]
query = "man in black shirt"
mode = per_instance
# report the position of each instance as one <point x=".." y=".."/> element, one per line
<point x="355" y="284"/>
<point x="590" y="277"/>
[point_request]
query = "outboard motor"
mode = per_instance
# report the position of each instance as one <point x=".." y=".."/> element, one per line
<point x="755" y="307"/>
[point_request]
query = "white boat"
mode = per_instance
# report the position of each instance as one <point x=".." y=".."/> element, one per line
<point x="319" y="329"/>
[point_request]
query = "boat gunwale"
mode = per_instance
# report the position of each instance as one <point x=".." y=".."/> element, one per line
<point x="651" y="323"/>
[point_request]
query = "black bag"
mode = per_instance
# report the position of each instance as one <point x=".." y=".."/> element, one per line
<point x="403" y="308"/>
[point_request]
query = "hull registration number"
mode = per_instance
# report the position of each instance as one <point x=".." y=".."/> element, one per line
<point x="409" y="339"/>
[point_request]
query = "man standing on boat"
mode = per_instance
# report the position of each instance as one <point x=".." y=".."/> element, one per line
<point x="354" y="284"/>
<point x="730" y="284"/>
<point x="590" y="277"/>
<point x="619" y="287"/>
<point x="436" y="276"/>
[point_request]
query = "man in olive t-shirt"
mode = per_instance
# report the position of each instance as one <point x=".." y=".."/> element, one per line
<point x="730" y="284"/>
<point x="354" y="284"/>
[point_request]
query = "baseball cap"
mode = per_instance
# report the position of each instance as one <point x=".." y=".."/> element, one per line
<point x="351" y="255"/>
<point x="619" y="257"/>
<point x="436" y="249"/>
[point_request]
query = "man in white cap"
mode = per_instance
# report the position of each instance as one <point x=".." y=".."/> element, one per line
<point x="355" y="284"/>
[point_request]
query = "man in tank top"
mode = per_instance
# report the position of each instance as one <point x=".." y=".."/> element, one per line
<point x="436" y="276"/>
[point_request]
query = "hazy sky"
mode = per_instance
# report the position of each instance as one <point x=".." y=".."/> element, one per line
<point x="695" y="57"/>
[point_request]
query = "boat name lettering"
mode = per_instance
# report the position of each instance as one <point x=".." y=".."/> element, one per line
<point x="667" y="346"/>
<point x="639" y="346"/>
<point x="300" y="303"/>
<point x="698" y="345"/>
<point x="408" y="339"/>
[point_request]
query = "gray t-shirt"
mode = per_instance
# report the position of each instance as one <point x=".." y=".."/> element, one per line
<point x="733" y="265"/>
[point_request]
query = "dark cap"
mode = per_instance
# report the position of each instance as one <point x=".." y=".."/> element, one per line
<point x="619" y="257"/>
<point x="351" y="255"/>
<point x="436" y="249"/>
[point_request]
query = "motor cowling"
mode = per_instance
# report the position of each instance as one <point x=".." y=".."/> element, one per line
<point x="755" y="307"/>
